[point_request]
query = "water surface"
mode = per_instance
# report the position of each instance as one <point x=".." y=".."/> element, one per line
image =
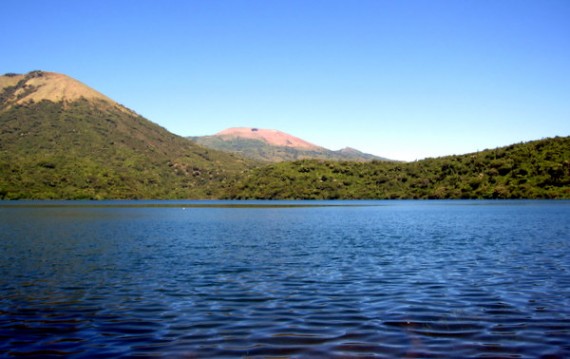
<point x="294" y="279"/>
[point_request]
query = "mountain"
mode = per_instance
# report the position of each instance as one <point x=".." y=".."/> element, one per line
<point x="536" y="169"/>
<point x="275" y="146"/>
<point x="39" y="85"/>
<point x="62" y="139"/>
<point x="352" y="154"/>
<point x="271" y="137"/>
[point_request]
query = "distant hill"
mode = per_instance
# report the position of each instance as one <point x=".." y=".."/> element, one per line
<point x="275" y="146"/>
<point x="61" y="139"/>
<point x="537" y="169"/>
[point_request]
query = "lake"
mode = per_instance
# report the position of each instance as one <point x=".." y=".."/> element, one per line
<point x="195" y="279"/>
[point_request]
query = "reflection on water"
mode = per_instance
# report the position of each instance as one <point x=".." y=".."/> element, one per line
<point x="235" y="279"/>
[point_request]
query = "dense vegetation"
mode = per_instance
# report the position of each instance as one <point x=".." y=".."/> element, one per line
<point x="85" y="150"/>
<point x="538" y="169"/>
<point x="82" y="149"/>
<point x="96" y="149"/>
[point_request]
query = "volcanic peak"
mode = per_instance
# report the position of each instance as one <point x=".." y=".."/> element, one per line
<point x="271" y="137"/>
<point x="41" y="85"/>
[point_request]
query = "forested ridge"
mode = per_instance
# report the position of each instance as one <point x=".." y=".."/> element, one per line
<point x="84" y="151"/>
<point x="89" y="150"/>
<point x="537" y="169"/>
<point x="60" y="139"/>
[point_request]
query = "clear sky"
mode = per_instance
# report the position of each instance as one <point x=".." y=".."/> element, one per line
<point x="400" y="79"/>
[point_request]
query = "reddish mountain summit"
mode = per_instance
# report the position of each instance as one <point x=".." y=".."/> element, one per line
<point x="271" y="137"/>
<point x="275" y="146"/>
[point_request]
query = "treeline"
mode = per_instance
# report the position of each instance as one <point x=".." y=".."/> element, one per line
<point x="538" y="169"/>
<point x="86" y="150"/>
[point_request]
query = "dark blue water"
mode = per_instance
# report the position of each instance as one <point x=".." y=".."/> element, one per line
<point x="291" y="279"/>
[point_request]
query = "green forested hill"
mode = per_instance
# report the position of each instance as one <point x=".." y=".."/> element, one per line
<point x="60" y="139"/>
<point x="94" y="148"/>
<point x="82" y="150"/>
<point x="538" y="169"/>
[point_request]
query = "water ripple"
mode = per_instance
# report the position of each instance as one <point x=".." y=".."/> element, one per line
<point x="390" y="280"/>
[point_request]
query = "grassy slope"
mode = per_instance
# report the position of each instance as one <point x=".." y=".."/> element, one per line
<point x="89" y="149"/>
<point x="538" y="169"/>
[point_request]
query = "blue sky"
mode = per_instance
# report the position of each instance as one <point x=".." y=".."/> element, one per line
<point x="401" y="79"/>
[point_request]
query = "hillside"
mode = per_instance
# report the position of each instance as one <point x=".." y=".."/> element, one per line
<point x="40" y="85"/>
<point x="271" y="137"/>
<point x="275" y="146"/>
<point x="62" y="139"/>
<point x="538" y="169"/>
